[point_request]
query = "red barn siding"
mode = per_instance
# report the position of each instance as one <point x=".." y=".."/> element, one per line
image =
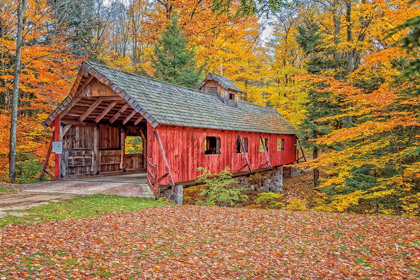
<point x="184" y="149"/>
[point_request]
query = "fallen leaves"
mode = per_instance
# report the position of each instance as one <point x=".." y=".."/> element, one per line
<point x="191" y="242"/>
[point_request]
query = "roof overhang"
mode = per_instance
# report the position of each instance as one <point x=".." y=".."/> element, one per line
<point x="85" y="75"/>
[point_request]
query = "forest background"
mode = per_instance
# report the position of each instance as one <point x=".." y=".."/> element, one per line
<point x="345" y="72"/>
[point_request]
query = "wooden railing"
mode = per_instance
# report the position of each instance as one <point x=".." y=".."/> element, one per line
<point x="152" y="180"/>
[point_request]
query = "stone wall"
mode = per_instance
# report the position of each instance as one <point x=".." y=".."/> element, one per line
<point x="264" y="181"/>
<point x="174" y="194"/>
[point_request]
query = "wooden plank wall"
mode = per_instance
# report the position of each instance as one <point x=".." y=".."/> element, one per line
<point x="77" y="157"/>
<point x="133" y="162"/>
<point x="96" y="88"/>
<point x="184" y="148"/>
<point x="109" y="137"/>
<point x="79" y="152"/>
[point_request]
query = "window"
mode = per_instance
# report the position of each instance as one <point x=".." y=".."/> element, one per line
<point x="231" y="96"/>
<point x="265" y="140"/>
<point x="212" y="145"/>
<point x="212" y="90"/>
<point x="133" y="145"/>
<point x="238" y="145"/>
<point x="280" y="144"/>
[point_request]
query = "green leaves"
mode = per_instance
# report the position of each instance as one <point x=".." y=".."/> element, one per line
<point x="222" y="189"/>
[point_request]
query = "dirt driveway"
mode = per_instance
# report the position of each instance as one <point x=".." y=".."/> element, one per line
<point x="30" y="195"/>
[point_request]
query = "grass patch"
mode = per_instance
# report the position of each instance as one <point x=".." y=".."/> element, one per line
<point x="79" y="208"/>
<point x="6" y="190"/>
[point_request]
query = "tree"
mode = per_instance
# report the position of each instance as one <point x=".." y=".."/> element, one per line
<point x="374" y="165"/>
<point x="173" y="62"/>
<point x="47" y="71"/>
<point x="15" y="99"/>
<point x="320" y="104"/>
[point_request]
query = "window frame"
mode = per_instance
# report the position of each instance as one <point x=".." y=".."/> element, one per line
<point x="218" y="149"/>
<point x="125" y="144"/>
<point x="282" y="144"/>
<point x="239" y="147"/>
<point x="260" y="147"/>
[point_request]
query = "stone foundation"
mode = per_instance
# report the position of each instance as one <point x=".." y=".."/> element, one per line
<point x="264" y="181"/>
<point x="174" y="194"/>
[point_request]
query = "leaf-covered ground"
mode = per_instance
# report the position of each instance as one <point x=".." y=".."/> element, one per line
<point x="191" y="242"/>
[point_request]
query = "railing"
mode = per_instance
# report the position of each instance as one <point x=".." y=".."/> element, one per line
<point x="152" y="180"/>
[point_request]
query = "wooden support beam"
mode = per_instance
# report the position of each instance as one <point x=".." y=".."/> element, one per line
<point x="144" y="149"/>
<point x="105" y="98"/>
<point x="76" y="123"/>
<point x="244" y="152"/>
<point x="70" y="106"/>
<point x="301" y="149"/>
<point x="90" y="109"/>
<point x="57" y="138"/>
<point x="96" y="154"/>
<point x="266" y="152"/>
<point x="122" y="137"/>
<point x="49" y="173"/>
<point x="129" y="117"/>
<point x="85" y="84"/>
<point x="118" y="114"/>
<point x="139" y="119"/>
<point x="66" y="129"/>
<point x="109" y="108"/>
<point x="165" y="161"/>
<point x="47" y="159"/>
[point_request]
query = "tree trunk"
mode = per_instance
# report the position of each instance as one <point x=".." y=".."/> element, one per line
<point x="350" y="54"/>
<point x="316" y="171"/>
<point x="15" y="98"/>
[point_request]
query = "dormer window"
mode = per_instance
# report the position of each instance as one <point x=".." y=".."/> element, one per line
<point x="222" y="87"/>
<point x="212" y="90"/>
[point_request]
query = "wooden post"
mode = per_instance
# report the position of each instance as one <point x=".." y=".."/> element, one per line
<point x="122" y="132"/>
<point x="47" y="158"/>
<point x="96" y="150"/>
<point x="144" y="149"/>
<point x="57" y="138"/>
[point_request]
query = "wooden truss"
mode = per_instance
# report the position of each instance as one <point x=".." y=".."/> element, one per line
<point x="266" y="154"/>
<point x="297" y="153"/>
<point x="47" y="159"/>
<point x="244" y="152"/>
<point x="152" y="170"/>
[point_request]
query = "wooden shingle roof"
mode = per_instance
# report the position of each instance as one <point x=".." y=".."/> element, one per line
<point x="223" y="81"/>
<point x="180" y="106"/>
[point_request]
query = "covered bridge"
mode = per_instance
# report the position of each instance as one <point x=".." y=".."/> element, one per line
<point x="181" y="129"/>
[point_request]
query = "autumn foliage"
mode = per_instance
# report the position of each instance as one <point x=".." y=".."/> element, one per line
<point x="343" y="72"/>
<point x="46" y="77"/>
<point x="193" y="242"/>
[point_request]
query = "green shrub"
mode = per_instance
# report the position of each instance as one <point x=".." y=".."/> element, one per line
<point x="28" y="168"/>
<point x="270" y="200"/>
<point x="222" y="190"/>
